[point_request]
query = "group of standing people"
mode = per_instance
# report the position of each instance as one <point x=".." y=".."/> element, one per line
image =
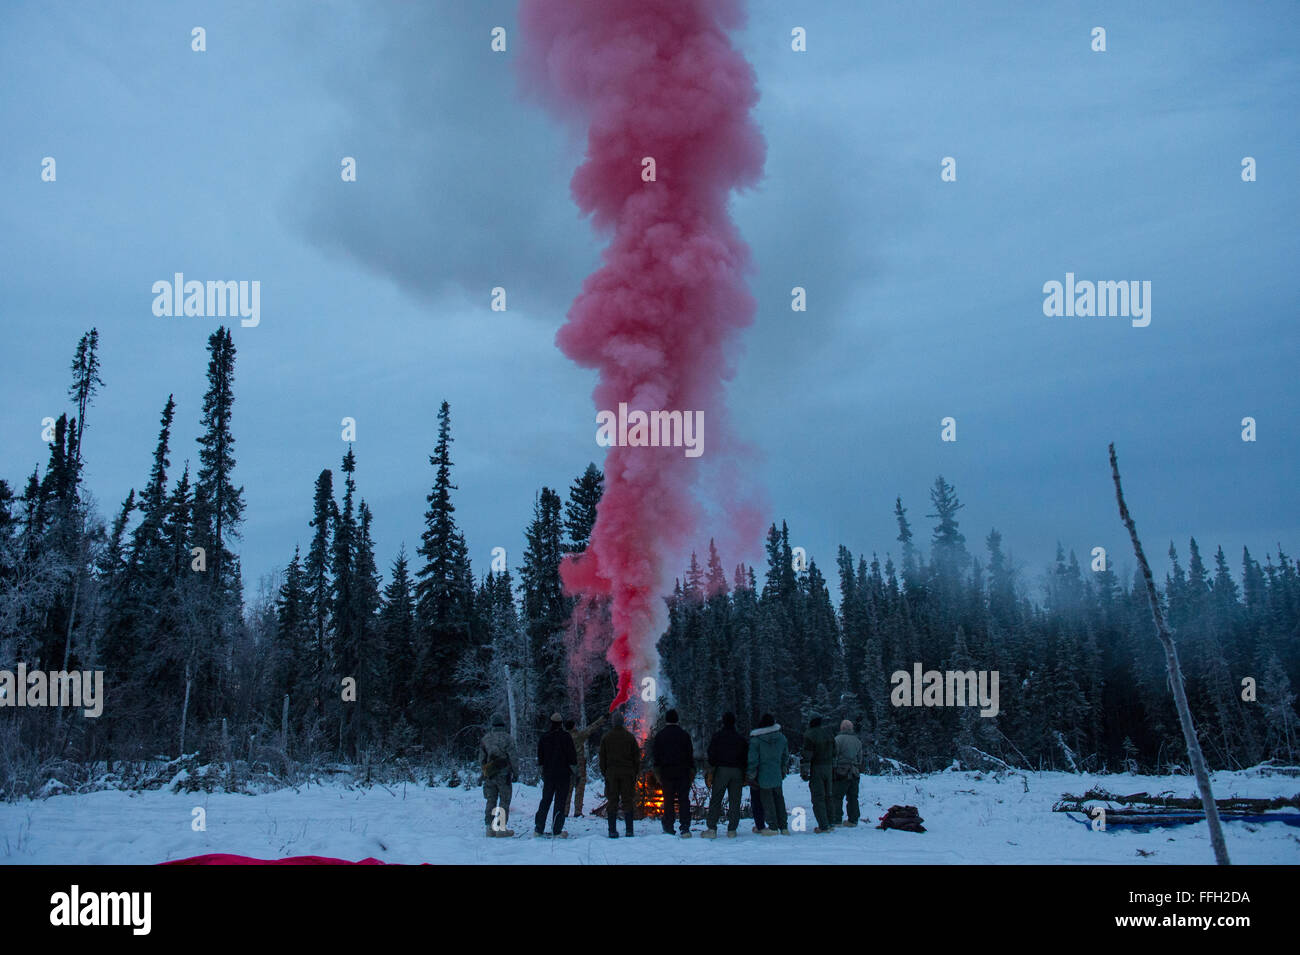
<point x="831" y="764"/>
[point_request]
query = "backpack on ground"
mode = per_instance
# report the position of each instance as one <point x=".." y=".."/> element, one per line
<point x="906" y="818"/>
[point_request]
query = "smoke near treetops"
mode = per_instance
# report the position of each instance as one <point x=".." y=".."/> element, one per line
<point x="660" y="319"/>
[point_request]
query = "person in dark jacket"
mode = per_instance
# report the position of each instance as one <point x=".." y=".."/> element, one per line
<point x="558" y="760"/>
<point x="728" y="756"/>
<point x="674" y="759"/>
<point x="769" y="752"/>
<point x="620" y="762"/>
<point x="815" y="768"/>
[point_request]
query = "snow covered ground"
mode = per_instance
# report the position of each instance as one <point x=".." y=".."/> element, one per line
<point x="971" y="819"/>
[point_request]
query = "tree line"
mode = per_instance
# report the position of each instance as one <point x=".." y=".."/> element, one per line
<point x="330" y="661"/>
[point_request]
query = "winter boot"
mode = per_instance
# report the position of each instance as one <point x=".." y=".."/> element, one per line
<point x="767" y="832"/>
<point x="709" y="834"/>
<point x="731" y="833"/>
<point x="613" y="826"/>
<point x="686" y="833"/>
<point x="627" y="829"/>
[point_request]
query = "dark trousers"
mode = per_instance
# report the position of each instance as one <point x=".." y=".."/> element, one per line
<point x="842" y="789"/>
<point x="553" y="788"/>
<point x="728" y="781"/>
<point x="819" y="788"/>
<point x="756" y="806"/>
<point x="619" y="789"/>
<point x="677" y="801"/>
<point x="774" y="808"/>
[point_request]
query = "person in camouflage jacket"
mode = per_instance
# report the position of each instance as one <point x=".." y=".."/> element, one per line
<point x="580" y="745"/>
<point x="499" y="761"/>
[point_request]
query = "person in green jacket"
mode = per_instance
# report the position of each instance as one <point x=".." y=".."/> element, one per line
<point x="769" y="754"/>
<point x="815" y="768"/>
<point x="620" y="763"/>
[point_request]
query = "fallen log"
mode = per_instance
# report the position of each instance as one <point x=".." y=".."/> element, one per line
<point x="1119" y="819"/>
<point x="1071" y="803"/>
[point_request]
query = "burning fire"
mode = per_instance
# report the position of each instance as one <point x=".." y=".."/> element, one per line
<point x="649" y="796"/>
<point x="648" y="799"/>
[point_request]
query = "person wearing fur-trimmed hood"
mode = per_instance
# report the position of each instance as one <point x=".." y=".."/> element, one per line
<point x="769" y="755"/>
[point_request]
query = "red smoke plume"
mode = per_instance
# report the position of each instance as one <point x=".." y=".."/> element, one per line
<point x="659" y="319"/>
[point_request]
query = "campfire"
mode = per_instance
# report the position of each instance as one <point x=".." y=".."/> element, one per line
<point x="649" y="796"/>
<point x="648" y="799"/>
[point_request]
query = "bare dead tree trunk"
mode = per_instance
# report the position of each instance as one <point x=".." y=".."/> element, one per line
<point x="225" y="748"/>
<point x="185" y="707"/>
<point x="1175" y="679"/>
<point x="510" y="702"/>
<point x="72" y="616"/>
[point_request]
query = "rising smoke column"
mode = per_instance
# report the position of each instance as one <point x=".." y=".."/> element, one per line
<point x="660" y="318"/>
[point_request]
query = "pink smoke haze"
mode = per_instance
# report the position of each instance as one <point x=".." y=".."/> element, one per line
<point x="661" y="317"/>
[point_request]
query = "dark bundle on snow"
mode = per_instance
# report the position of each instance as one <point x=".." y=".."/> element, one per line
<point x="906" y="818"/>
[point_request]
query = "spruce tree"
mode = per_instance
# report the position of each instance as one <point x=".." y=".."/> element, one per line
<point x="545" y="607"/>
<point x="316" y="573"/>
<point x="372" y="665"/>
<point x="148" y="545"/>
<point x="580" y="511"/>
<point x="345" y="622"/>
<point x="288" y="674"/>
<point x="444" y="598"/>
<point x="217" y="514"/>
<point x="218" y="504"/>
<point x="398" y="627"/>
<point x="911" y="581"/>
<point x="948" y="545"/>
<point x="86" y="381"/>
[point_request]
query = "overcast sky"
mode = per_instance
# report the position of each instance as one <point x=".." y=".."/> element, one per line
<point x="925" y="298"/>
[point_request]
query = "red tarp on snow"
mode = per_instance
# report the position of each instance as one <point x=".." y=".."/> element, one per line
<point x="221" y="858"/>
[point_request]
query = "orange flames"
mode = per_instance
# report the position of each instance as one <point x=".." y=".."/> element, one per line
<point x="649" y="796"/>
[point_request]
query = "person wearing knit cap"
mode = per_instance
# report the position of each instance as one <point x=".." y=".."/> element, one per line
<point x="847" y="773"/>
<point x="815" y="768"/>
<point x="620" y="763"/>
<point x="728" y="755"/>
<point x="558" y="761"/>
<point x="499" y="761"/>
<point x="674" y="761"/>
